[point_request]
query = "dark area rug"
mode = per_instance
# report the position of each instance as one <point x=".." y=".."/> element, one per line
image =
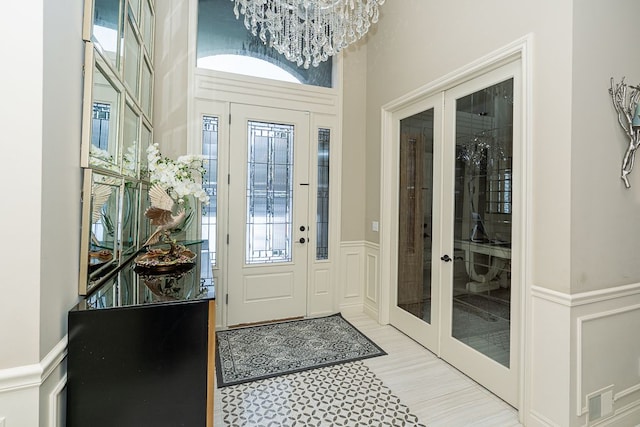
<point x="265" y="351"/>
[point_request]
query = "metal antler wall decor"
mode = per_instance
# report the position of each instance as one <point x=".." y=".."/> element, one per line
<point x="628" y="108"/>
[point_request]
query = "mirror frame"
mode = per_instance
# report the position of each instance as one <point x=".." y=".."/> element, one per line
<point x="135" y="183"/>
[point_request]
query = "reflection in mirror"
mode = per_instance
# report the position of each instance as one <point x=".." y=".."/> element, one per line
<point x="147" y="85"/>
<point x="135" y="8"/>
<point x="130" y="142"/>
<point x="106" y="32"/>
<point x="147" y="25"/>
<point x="145" y="140"/>
<point x="104" y="123"/>
<point x="144" y="222"/>
<point x="103" y="230"/>
<point x="131" y="59"/>
<point x="129" y="217"/>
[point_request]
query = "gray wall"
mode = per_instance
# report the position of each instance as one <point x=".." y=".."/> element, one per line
<point x="419" y="41"/>
<point x="21" y="177"/>
<point x="354" y="110"/>
<point x="605" y="230"/>
<point x="61" y="176"/>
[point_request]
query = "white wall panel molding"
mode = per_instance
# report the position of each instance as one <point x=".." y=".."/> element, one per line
<point x="255" y="91"/>
<point x="585" y="298"/>
<point x="589" y="333"/>
<point x="56" y="404"/>
<point x="351" y="276"/>
<point x="372" y="280"/>
<point x="548" y="370"/>
<point x="32" y="395"/>
<point x="603" y="346"/>
<point x="28" y="376"/>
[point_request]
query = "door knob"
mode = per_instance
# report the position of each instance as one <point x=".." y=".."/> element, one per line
<point x="302" y="240"/>
<point x="302" y="228"/>
<point x="446" y="258"/>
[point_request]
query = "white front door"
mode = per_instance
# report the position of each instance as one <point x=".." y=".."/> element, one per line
<point x="268" y="214"/>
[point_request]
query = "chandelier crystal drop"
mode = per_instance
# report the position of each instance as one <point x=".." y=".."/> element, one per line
<point x="308" y="32"/>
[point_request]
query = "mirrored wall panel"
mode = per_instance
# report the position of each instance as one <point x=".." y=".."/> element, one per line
<point x="130" y="205"/>
<point x="105" y="120"/>
<point x="100" y="218"/>
<point x="131" y="148"/>
<point x="117" y="128"/>
<point x="106" y="31"/>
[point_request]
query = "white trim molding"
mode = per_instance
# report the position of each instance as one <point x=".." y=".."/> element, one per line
<point x="33" y="375"/>
<point x="602" y="361"/>
<point x="33" y="394"/>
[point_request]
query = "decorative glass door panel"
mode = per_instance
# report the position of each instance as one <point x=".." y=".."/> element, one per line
<point x="269" y="192"/>
<point x="415" y="215"/>
<point x="268" y="214"/>
<point x="481" y="304"/>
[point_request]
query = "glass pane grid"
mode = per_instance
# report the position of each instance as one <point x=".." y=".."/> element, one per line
<point x="269" y="193"/>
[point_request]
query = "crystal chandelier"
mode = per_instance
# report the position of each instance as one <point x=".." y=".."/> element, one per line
<point x="308" y="32"/>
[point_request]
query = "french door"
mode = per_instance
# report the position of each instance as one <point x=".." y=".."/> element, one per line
<point x="459" y="225"/>
<point x="268" y="214"/>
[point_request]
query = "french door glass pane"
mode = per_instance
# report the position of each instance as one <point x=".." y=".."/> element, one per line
<point x="210" y="185"/>
<point x="322" y="217"/>
<point x="415" y="214"/>
<point x="482" y="231"/>
<point x="269" y="192"/>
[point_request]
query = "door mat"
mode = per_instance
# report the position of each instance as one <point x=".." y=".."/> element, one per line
<point x="266" y="351"/>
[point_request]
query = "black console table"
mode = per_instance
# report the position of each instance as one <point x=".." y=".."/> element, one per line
<point x="141" y="350"/>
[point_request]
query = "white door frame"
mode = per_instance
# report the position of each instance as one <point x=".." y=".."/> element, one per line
<point x="519" y="50"/>
<point x="213" y="93"/>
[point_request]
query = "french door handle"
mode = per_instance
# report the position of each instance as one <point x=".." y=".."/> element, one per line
<point x="302" y="240"/>
<point x="446" y="258"/>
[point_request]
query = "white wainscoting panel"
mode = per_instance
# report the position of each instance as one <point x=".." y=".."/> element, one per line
<point x="549" y="364"/>
<point x="601" y="328"/>
<point x="320" y="298"/>
<point x="372" y="280"/>
<point x="27" y="392"/>
<point x="359" y="278"/>
<point x="351" y="277"/>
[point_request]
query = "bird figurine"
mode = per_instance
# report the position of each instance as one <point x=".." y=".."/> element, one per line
<point x="161" y="214"/>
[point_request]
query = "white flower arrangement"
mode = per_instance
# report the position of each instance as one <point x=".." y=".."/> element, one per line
<point x="181" y="178"/>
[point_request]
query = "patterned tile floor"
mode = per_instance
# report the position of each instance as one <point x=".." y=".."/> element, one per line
<point x="346" y="395"/>
<point x="432" y="390"/>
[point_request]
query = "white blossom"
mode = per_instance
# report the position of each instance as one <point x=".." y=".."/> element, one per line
<point x="180" y="178"/>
